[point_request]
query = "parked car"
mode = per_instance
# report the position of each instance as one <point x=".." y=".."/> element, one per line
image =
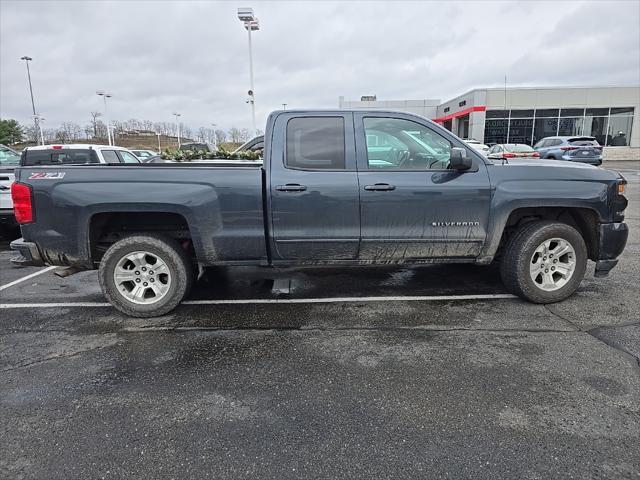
<point x="143" y="154"/>
<point x="198" y="147"/>
<point x="76" y="154"/>
<point x="9" y="160"/>
<point x="481" y="147"/>
<point x="574" y="149"/>
<point x="507" y="151"/>
<point x="336" y="188"/>
<point x="256" y="144"/>
<point x="156" y="159"/>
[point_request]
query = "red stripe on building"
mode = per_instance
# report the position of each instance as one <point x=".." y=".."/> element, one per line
<point x="461" y="113"/>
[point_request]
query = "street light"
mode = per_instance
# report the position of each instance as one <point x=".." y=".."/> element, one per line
<point x="159" y="147"/>
<point x="39" y="119"/>
<point x="106" y="95"/>
<point x="251" y="23"/>
<point x="177" y="126"/>
<point x="284" y="106"/>
<point x="33" y="105"/>
<point x="215" y="140"/>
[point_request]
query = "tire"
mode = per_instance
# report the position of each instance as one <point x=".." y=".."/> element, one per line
<point x="155" y="293"/>
<point x="522" y="260"/>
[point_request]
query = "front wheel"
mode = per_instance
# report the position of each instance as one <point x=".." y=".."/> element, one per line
<point x="544" y="262"/>
<point x="144" y="275"/>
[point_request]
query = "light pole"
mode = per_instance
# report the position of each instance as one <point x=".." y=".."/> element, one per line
<point x="215" y="140"/>
<point x="284" y="106"/>
<point x="177" y="126"/>
<point x="33" y="105"/>
<point x="159" y="147"/>
<point x="39" y="119"/>
<point x="251" y="23"/>
<point x="106" y="95"/>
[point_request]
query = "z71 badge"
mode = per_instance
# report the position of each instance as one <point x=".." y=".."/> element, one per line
<point x="46" y="175"/>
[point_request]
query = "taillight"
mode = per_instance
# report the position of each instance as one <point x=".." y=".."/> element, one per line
<point x="57" y="147"/>
<point x="565" y="149"/>
<point x="535" y="154"/>
<point x="22" y="202"/>
<point x="508" y="155"/>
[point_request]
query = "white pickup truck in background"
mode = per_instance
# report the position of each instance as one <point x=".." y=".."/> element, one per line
<point x="9" y="159"/>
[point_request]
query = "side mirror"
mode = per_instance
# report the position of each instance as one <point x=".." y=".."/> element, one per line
<point x="459" y="159"/>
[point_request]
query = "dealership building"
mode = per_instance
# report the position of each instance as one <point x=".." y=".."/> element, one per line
<point x="526" y="115"/>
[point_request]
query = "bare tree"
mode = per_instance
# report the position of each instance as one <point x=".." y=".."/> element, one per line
<point x="235" y="135"/>
<point x="94" y="122"/>
<point x="221" y="136"/>
<point x="245" y="134"/>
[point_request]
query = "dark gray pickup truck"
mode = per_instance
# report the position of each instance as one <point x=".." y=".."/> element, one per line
<point x="335" y="188"/>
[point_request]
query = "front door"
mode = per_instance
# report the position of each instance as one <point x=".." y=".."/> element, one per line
<point x="315" y="212"/>
<point x="413" y="208"/>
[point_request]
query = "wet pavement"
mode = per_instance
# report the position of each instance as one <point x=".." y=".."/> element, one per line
<point x="489" y="387"/>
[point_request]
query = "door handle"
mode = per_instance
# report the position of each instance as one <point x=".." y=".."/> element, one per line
<point x="380" y="187"/>
<point x="291" y="187"/>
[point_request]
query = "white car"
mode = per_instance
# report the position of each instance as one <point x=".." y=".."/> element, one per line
<point x="9" y="159"/>
<point x="77" y="154"/>
<point x="476" y="145"/>
<point x="143" y="154"/>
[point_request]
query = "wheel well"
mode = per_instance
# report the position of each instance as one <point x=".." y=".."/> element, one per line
<point x="582" y="219"/>
<point x="107" y="228"/>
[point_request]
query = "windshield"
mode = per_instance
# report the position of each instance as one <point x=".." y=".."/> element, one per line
<point x="9" y="158"/>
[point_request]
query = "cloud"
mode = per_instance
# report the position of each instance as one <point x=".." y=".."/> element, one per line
<point x="192" y="57"/>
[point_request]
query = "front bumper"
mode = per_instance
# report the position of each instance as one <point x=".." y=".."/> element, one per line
<point x="29" y="256"/>
<point x="612" y="240"/>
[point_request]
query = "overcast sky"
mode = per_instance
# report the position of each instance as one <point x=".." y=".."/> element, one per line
<point x="157" y="57"/>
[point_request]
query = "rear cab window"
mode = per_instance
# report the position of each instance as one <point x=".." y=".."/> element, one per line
<point x="60" y="157"/>
<point x="315" y="143"/>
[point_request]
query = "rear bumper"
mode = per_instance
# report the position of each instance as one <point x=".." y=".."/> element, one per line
<point x="589" y="160"/>
<point x="29" y="256"/>
<point x="613" y="239"/>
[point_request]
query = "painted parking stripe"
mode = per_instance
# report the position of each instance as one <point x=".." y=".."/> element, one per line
<point x="27" y="277"/>
<point x="414" y="298"/>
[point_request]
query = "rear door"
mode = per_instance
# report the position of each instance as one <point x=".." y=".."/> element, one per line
<point x="314" y="197"/>
<point x="413" y="208"/>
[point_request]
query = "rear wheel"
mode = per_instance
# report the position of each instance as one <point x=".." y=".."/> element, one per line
<point x="145" y="276"/>
<point x="544" y="262"/>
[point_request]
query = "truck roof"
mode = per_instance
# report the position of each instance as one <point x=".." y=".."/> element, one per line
<point x="93" y="146"/>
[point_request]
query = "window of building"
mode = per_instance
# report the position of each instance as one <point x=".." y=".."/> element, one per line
<point x="619" y="130"/>
<point x="315" y="143"/>
<point x="572" y="112"/>
<point x="597" y="112"/>
<point x="520" y="130"/>
<point x="398" y="144"/>
<point x="497" y="114"/>
<point x="596" y="127"/>
<point x="495" y="131"/>
<point x="544" y="127"/>
<point x="570" y="126"/>
<point x="547" y="112"/>
<point x="521" y="113"/>
<point x="622" y="111"/>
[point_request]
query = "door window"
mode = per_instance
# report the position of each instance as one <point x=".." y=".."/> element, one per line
<point x="127" y="157"/>
<point x="110" y="156"/>
<point x="398" y="144"/>
<point x="315" y="143"/>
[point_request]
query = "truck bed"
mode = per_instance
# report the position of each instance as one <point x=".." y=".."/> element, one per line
<point x="223" y="201"/>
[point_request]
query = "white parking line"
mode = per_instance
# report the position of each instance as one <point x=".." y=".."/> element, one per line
<point x="412" y="298"/>
<point x="26" y="277"/>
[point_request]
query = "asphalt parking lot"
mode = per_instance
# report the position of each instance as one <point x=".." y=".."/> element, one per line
<point x="322" y="373"/>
